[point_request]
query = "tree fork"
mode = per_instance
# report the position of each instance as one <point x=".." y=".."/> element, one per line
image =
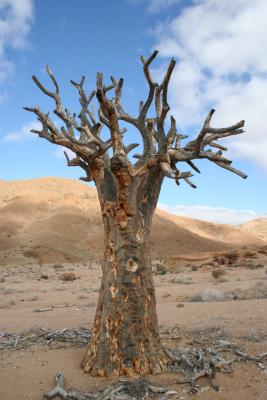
<point x="125" y="337"/>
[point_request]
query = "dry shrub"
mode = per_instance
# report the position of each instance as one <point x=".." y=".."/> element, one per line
<point x="60" y="289"/>
<point x="33" y="298"/>
<point x="222" y="279"/>
<point x="207" y="295"/>
<point x="254" y="266"/>
<point x="7" y="304"/>
<point x="217" y="272"/>
<point x="67" y="277"/>
<point x="186" y="280"/>
<point x="258" y="291"/>
<point x="160" y="269"/>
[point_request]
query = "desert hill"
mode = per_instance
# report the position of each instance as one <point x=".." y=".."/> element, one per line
<point x="54" y="219"/>
<point x="256" y="227"/>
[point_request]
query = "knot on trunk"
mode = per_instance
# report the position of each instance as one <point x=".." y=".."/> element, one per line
<point x="132" y="264"/>
<point x="121" y="168"/>
<point x="118" y="162"/>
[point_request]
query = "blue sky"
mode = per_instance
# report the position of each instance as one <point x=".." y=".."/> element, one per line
<point x="221" y="62"/>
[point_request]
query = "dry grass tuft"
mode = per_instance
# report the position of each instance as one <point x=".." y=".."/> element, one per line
<point x="217" y="272"/>
<point x="9" y="291"/>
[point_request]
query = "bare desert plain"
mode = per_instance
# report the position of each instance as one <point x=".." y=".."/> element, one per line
<point x="210" y="281"/>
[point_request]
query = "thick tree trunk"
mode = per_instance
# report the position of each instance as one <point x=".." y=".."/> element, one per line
<point x="125" y="337"/>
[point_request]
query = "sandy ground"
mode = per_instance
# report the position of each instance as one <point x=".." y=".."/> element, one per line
<point x="26" y="374"/>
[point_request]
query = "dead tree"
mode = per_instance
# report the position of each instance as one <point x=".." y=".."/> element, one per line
<point x="125" y="337"/>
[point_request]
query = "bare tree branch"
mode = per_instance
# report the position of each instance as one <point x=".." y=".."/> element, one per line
<point x="84" y="101"/>
<point x="171" y="173"/>
<point x="190" y="183"/>
<point x="109" y="111"/>
<point x="163" y="149"/>
<point x="229" y="168"/>
<point x="165" y="84"/>
<point x="120" y="111"/>
<point x="193" y="166"/>
<point x="130" y="147"/>
<point x="172" y="134"/>
<point x="77" y="162"/>
<point x="89" y="134"/>
<point x="196" y="149"/>
<point x="151" y="83"/>
<point x="209" y="134"/>
<point x="162" y="109"/>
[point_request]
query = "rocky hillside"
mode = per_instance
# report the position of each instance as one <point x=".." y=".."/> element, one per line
<point x="54" y="219"/>
<point x="256" y="227"/>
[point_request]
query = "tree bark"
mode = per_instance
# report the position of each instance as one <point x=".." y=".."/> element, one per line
<point x="125" y="337"/>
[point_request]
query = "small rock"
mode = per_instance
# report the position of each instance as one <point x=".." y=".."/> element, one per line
<point x="165" y="295"/>
<point x="44" y="276"/>
<point x="179" y="305"/>
<point x="67" y="276"/>
<point x="43" y="309"/>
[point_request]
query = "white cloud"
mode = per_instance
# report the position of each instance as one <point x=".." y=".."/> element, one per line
<point x="23" y="134"/>
<point x="220" y="47"/>
<point x="15" y="22"/>
<point x="213" y="214"/>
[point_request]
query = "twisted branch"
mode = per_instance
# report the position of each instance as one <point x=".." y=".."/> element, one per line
<point x="164" y="149"/>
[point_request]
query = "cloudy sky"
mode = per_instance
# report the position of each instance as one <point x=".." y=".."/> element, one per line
<point x="220" y="49"/>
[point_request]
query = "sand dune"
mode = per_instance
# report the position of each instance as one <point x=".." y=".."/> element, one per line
<point x="54" y="219"/>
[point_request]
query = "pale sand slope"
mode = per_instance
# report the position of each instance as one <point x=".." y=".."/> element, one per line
<point x="256" y="227"/>
<point x="54" y="219"/>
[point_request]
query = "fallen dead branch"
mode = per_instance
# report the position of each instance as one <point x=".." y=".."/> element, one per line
<point x="208" y="353"/>
<point x="75" y="337"/>
<point x="207" y="356"/>
<point x="44" y="309"/>
<point x="194" y="363"/>
<point x="122" y="390"/>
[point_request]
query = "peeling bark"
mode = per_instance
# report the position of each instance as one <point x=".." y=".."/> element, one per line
<point x="125" y="337"/>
